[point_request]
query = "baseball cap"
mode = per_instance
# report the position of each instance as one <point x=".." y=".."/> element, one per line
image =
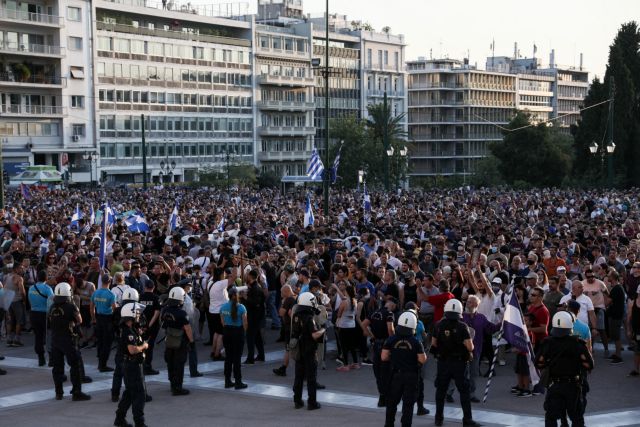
<point x="496" y="280"/>
<point x="561" y="268"/>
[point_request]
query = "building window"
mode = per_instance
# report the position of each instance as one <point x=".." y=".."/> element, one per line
<point x="74" y="43"/>
<point x="77" y="101"/>
<point x="77" y="129"/>
<point x="73" y="13"/>
<point x="386" y="57"/>
<point x="369" y="54"/>
<point x="77" y="73"/>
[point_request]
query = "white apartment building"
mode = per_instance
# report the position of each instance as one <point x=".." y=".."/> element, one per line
<point x="453" y="109"/>
<point x="46" y="116"/>
<point x="188" y="72"/>
<point x="284" y="99"/>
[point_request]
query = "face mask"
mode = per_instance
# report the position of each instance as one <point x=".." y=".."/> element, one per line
<point x="494" y="249"/>
<point x="530" y="262"/>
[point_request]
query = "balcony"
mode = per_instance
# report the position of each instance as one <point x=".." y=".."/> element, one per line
<point x="229" y="10"/>
<point x="181" y="161"/>
<point x="383" y="67"/>
<point x="286" y="105"/>
<point x="32" y="110"/>
<point x="390" y="93"/>
<point x="294" y="54"/>
<point x="175" y="136"/>
<point x="179" y="35"/>
<point x="280" y="156"/>
<point x="39" y="19"/>
<point x="268" y="79"/>
<point x="37" y="80"/>
<point x="32" y="49"/>
<point x="454" y="137"/>
<point x="437" y="85"/>
<point x="286" y="130"/>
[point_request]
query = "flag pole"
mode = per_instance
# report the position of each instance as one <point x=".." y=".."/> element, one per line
<point x="495" y="355"/>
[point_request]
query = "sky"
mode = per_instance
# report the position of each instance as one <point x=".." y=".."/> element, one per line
<point x="451" y="28"/>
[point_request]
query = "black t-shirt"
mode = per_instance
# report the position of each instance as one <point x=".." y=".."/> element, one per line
<point x="174" y="317"/>
<point x="287" y="305"/>
<point x="379" y="320"/>
<point x="151" y="305"/>
<point x="304" y="326"/>
<point x="616" y="309"/>
<point x="404" y="352"/>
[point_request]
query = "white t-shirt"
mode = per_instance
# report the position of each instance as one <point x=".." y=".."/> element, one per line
<point x="118" y="291"/>
<point x="585" y="306"/>
<point x="218" y="295"/>
<point x="487" y="304"/>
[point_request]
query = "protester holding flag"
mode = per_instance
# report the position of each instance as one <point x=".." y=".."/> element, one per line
<point x="308" y="213"/>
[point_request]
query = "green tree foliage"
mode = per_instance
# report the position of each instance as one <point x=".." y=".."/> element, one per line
<point x="363" y="147"/>
<point x="487" y="173"/>
<point x="537" y="155"/>
<point x="623" y="70"/>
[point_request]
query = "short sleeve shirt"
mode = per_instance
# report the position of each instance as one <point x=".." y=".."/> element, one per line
<point x="103" y="299"/>
<point x="225" y="313"/>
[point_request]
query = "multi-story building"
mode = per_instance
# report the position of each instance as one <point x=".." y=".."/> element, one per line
<point x="46" y="114"/>
<point x="188" y="72"/>
<point x="284" y="99"/>
<point x="453" y="110"/>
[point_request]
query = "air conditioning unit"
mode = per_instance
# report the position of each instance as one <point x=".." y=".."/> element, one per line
<point x="75" y="138"/>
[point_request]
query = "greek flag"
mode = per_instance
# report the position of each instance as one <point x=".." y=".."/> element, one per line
<point x="221" y="225"/>
<point x="26" y="193"/>
<point x="336" y="165"/>
<point x="515" y="333"/>
<point x="137" y="223"/>
<point x="367" y="205"/>
<point x="76" y="216"/>
<point x="315" y="168"/>
<point x="174" y="219"/>
<point x="308" y="213"/>
<point x="92" y="216"/>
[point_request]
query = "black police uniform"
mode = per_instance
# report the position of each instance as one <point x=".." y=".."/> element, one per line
<point x="403" y="384"/>
<point x="453" y="364"/>
<point x="152" y="304"/>
<point x="174" y="318"/>
<point x="62" y="316"/>
<point x="116" y="383"/>
<point x="134" y="387"/>
<point x="378" y="325"/>
<point x="306" y="363"/>
<point x="562" y="356"/>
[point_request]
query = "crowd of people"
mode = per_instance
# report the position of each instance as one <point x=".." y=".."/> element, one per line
<point x="243" y="258"/>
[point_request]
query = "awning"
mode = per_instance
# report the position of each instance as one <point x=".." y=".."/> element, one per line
<point x="77" y="73"/>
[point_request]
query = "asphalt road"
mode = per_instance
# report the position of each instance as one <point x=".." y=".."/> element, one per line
<point x="27" y="396"/>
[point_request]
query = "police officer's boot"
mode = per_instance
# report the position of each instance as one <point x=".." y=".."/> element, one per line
<point x="59" y="392"/>
<point x="79" y="396"/>
<point x="121" y="422"/>
<point x="422" y="410"/>
<point x="382" y="401"/>
<point x="41" y="360"/>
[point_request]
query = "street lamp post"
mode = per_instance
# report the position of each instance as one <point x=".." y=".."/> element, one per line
<point x="227" y="151"/>
<point x="92" y="157"/>
<point x="360" y="178"/>
<point x="606" y="151"/>
<point x="402" y="153"/>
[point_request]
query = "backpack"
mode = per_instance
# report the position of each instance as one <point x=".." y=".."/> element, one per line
<point x="206" y="298"/>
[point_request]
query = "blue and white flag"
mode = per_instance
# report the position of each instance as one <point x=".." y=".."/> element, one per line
<point x="315" y="167"/>
<point x="515" y="333"/>
<point x="367" y="205"/>
<point x="103" y="237"/>
<point x="336" y="165"/>
<point x="77" y="215"/>
<point x="221" y="225"/>
<point x="137" y="223"/>
<point x="308" y="213"/>
<point x="92" y="216"/>
<point x="174" y="220"/>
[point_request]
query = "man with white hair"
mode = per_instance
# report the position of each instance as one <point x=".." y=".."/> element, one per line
<point x="120" y="286"/>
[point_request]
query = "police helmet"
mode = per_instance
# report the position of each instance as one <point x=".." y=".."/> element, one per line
<point x="63" y="289"/>
<point x="131" y="311"/>
<point x="453" y="309"/>
<point x="408" y="319"/>
<point x="307" y="299"/>
<point x="177" y="294"/>
<point x="562" y="324"/>
<point x="130" y="294"/>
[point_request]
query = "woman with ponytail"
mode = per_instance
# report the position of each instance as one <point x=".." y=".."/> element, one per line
<point x="234" y="321"/>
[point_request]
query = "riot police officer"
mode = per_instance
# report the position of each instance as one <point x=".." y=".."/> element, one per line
<point x="129" y="295"/>
<point x="406" y="356"/>
<point x="178" y="339"/>
<point x="378" y="327"/>
<point x="566" y="358"/>
<point x="453" y="346"/>
<point x="131" y="348"/>
<point x="305" y="335"/>
<point x="63" y="317"/>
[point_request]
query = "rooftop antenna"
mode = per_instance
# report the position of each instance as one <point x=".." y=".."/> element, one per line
<point x="431" y="53"/>
<point x="493" y="54"/>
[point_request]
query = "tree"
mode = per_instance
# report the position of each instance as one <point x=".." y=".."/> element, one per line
<point x="623" y="71"/>
<point x="487" y="173"/>
<point x="268" y="179"/>
<point x="386" y="29"/>
<point x="534" y="154"/>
